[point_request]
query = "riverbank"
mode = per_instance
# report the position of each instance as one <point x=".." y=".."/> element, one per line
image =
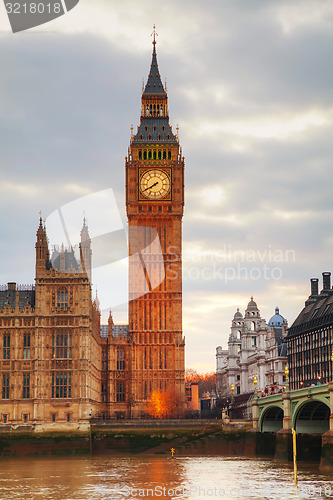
<point x="157" y="437"/>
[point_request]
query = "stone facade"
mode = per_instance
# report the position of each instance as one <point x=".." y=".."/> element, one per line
<point x="58" y="364"/>
<point x="255" y="349"/>
<point x="155" y="204"/>
<point x="310" y="338"/>
<point x="50" y="365"/>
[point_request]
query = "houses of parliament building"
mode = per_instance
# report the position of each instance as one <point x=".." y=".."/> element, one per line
<point x="55" y="366"/>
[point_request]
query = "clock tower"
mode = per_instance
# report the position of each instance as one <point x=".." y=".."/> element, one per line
<point x="155" y="203"/>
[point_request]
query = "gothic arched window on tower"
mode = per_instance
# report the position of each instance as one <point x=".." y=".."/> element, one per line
<point x="62" y="345"/>
<point x="62" y="299"/>
<point x="161" y="110"/>
<point x="140" y="155"/>
<point x="120" y="358"/>
<point x="169" y="153"/>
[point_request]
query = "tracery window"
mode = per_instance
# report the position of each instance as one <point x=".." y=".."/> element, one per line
<point x="62" y="299"/>
<point x="61" y="384"/>
<point x="62" y="345"/>
<point x="26" y="386"/>
<point x="6" y="346"/>
<point x="26" y="346"/>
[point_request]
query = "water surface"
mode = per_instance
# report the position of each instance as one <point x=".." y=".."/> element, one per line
<point x="104" y="478"/>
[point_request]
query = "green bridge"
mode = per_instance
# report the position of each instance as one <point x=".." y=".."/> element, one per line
<point x="308" y="411"/>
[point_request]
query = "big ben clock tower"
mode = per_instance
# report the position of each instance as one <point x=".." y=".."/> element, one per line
<point x="155" y="203"/>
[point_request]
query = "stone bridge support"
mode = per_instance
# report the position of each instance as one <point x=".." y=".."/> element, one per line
<point x="326" y="463"/>
<point x="284" y="436"/>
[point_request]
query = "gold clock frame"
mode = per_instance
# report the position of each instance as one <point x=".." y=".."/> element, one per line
<point x="142" y="172"/>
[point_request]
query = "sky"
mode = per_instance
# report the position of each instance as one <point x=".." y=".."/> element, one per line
<point x="250" y="86"/>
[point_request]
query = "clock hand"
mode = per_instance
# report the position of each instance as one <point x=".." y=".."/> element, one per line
<point x="149" y="187"/>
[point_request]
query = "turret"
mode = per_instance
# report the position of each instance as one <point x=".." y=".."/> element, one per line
<point x="85" y="250"/>
<point x="42" y="250"/>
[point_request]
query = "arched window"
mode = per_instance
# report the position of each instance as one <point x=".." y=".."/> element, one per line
<point x="140" y="155"/>
<point x="161" y="110"/>
<point x="149" y="155"/>
<point x="160" y="153"/>
<point x="169" y="155"/>
<point x="145" y="155"/>
<point x="164" y="155"/>
<point x="154" y="155"/>
<point x="62" y="302"/>
<point x="253" y="326"/>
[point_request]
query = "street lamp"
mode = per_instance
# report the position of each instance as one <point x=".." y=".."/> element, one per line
<point x="255" y="381"/>
<point x="286" y="372"/>
<point x="232" y="393"/>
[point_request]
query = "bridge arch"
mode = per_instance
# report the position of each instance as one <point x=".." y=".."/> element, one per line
<point x="271" y="419"/>
<point x="311" y="416"/>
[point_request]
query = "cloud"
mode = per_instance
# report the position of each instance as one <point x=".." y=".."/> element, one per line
<point x="250" y="85"/>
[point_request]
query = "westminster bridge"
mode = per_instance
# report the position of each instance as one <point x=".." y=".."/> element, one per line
<point x="308" y="410"/>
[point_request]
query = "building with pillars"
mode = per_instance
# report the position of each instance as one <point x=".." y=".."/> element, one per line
<point x="57" y="363"/>
<point x="310" y="338"/>
<point x="255" y="349"/>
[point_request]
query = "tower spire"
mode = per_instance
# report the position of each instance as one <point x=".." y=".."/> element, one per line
<point x="154" y="35"/>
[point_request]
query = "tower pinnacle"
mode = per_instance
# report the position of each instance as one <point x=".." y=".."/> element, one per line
<point x="154" y="35"/>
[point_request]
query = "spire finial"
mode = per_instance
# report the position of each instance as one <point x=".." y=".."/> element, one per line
<point x="154" y="35"/>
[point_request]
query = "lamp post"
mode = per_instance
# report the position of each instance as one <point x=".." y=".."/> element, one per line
<point x="255" y="381"/>
<point x="232" y="393"/>
<point x="286" y="372"/>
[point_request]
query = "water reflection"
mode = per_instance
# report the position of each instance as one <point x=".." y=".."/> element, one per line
<point x="101" y="478"/>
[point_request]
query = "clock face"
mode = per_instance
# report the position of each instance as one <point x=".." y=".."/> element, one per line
<point x="154" y="184"/>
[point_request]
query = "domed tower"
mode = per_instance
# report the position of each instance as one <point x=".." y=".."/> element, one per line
<point x="234" y="347"/>
<point x="279" y="325"/>
<point x="237" y="325"/>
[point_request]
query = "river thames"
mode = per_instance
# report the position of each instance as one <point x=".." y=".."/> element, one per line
<point x="113" y="478"/>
